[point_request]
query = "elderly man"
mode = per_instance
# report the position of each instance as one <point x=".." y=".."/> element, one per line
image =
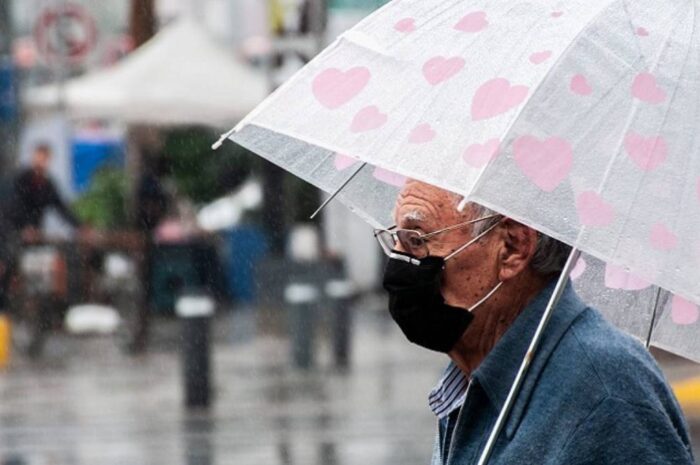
<point x="474" y="284"/>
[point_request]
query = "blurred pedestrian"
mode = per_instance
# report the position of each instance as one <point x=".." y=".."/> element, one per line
<point x="153" y="203"/>
<point x="33" y="192"/>
<point x="473" y="284"/>
<point x="152" y="199"/>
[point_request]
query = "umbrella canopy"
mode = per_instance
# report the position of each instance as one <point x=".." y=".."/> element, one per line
<point x="180" y="76"/>
<point x="579" y="119"/>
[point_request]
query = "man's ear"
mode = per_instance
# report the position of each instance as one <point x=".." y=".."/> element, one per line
<point x="519" y="245"/>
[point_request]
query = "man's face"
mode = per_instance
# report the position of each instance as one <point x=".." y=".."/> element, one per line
<point x="41" y="160"/>
<point x="472" y="272"/>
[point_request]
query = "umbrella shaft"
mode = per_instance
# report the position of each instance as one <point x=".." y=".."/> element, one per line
<point x="657" y="301"/>
<point x="529" y="355"/>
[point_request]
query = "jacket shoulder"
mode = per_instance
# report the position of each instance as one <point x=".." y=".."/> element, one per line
<point x="623" y="366"/>
<point x="624" y="369"/>
<point x="604" y="437"/>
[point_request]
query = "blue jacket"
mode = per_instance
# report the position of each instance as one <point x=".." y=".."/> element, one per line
<point x="593" y="395"/>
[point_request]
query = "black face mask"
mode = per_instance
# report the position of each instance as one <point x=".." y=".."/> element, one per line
<point x="417" y="306"/>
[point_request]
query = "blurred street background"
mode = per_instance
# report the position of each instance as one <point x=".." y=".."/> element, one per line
<point x="162" y="303"/>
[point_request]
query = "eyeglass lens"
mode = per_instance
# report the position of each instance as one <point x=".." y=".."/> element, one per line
<point x="412" y="242"/>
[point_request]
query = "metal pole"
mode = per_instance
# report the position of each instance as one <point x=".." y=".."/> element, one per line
<point x="142" y="21"/>
<point x="9" y="121"/>
<point x="529" y="355"/>
<point x="142" y="26"/>
<point x="196" y="310"/>
<point x="301" y="299"/>
<point x="340" y="294"/>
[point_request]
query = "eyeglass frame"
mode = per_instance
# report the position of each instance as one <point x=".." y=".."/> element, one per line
<point x="416" y="261"/>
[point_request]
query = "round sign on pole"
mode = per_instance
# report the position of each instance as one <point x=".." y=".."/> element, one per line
<point x="65" y="33"/>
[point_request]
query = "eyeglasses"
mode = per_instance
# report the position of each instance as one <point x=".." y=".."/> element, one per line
<point x="416" y="244"/>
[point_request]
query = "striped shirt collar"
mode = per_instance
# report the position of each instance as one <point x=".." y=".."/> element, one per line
<point x="449" y="393"/>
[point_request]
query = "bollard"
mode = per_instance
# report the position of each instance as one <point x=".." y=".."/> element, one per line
<point x="301" y="300"/>
<point x="340" y="293"/>
<point x="196" y="310"/>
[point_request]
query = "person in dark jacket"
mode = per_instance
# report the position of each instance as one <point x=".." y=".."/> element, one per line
<point x="32" y="193"/>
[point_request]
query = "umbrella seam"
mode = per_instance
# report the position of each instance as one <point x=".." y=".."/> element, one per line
<point x="509" y="128"/>
<point x="661" y="125"/>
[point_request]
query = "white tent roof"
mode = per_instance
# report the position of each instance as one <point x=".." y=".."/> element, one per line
<point x="178" y="77"/>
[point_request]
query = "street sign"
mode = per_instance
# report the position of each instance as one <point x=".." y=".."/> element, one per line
<point x="65" y="33"/>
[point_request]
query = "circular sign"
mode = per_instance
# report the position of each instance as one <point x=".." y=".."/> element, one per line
<point x="65" y="33"/>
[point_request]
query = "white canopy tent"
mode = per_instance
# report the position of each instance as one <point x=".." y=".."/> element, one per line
<point x="178" y="77"/>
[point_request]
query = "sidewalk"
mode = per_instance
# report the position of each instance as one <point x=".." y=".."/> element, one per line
<point x="87" y="404"/>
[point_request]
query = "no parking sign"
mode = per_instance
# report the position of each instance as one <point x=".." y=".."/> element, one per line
<point x="65" y="33"/>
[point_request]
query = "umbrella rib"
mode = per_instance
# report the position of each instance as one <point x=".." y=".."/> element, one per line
<point x="337" y="191"/>
<point x="657" y="301"/>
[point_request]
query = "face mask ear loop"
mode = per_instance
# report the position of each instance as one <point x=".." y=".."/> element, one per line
<point x="471" y="242"/>
<point x="486" y="297"/>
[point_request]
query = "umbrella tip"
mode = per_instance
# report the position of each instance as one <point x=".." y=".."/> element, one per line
<point x="223" y="137"/>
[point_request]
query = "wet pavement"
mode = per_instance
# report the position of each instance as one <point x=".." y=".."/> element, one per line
<point x="87" y="403"/>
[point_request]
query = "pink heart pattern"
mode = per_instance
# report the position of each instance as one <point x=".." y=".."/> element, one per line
<point x="439" y="69"/>
<point x="648" y="153"/>
<point x="556" y="14"/>
<point x="342" y="162"/>
<point x="579" y="269"/>
<point x="617" y="277"/>
<point x="405" y="25"/>
<point x="421" y="134"/>
<point x="646" y="89"/>
<point x="389" y="177"/>
<point x="579" y="85"/>
<point x="368" y="119"/>
<point x="593" y="210"/>
<point x="473" y="22"/>
<point x="478" y="155"/>
<point x="662" y="238"/>
<point x="496" y="97"/>
<point x="544" y="162"/>
<point x="642" y="32"/>
<point x="540" y="57"/>
<point x="334" y="88"/>
<point x="684" y="312"/>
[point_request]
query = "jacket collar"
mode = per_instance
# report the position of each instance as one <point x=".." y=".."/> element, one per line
<point x="497" y="372"/>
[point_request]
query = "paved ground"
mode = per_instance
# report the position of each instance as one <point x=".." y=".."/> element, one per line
<point x="88" y="404"/>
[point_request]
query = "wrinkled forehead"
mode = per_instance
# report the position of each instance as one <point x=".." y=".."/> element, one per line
<point x="420" y="204"/>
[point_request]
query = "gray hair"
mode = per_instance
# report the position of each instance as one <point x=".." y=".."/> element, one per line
<point x="550" y="255"/>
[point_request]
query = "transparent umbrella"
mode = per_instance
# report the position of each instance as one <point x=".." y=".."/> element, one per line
<point x="577" y="118"/>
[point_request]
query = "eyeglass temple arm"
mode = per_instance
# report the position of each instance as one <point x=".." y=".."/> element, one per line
<point x="455" y="226"/>
<point x="470" y="242"/>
